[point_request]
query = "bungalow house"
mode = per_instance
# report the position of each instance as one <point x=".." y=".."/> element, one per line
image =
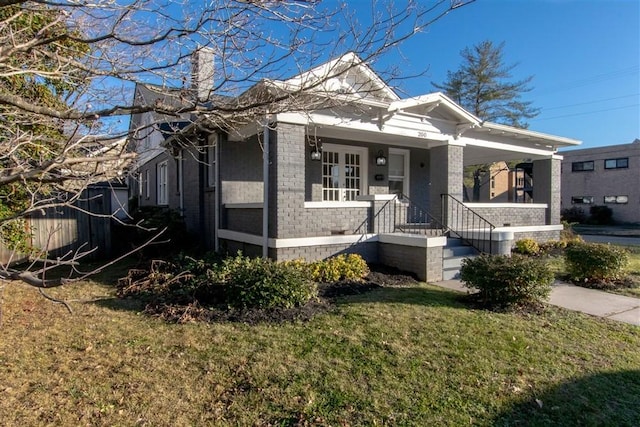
<point x="357" y="169"/>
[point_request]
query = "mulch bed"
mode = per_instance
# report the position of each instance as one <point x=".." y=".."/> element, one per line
<point x="380" y="276"/>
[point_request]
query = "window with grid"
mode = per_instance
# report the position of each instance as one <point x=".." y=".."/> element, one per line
<point x="330" y="176"/>
<point x="342" y="172"/>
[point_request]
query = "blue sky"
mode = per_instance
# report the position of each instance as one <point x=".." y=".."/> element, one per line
<point x="584" y="56"/>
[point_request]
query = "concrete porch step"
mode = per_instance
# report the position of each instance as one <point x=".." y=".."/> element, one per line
<point x="453" y="253"/>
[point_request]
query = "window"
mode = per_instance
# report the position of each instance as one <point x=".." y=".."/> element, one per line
<point x="343" y="172"/>
<point x="582" y="166"/>
<point x="582" y="200"/>
<point x="138" y="178"/>
<point x="621" y="163"/>
<point x="616" y="199"/>
<point x="146" y="183"/>
<point x="398" y="172"/>
<point x="161" y="178"/>
<point x="211" y="161"/>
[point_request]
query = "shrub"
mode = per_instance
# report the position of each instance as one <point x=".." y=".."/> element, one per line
<point x="153" y="219"/>
<point x="573" y="214"/>
<point x="588" y="262"/>
<point x="527" y="247"/>
<point x="260" y="283"/>
<point x="506" y="281"/>
<point x="600" y="215"/>
<point x="568" y="236"/>
<point x="351" y="267"/>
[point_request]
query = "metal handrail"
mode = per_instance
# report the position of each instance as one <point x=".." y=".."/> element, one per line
<point x="402" y="215"/>
<point x="467" y="225"/>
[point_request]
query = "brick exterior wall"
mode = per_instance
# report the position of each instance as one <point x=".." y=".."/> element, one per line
<point x="244" y="220"/>
<point x="446" y="174"/>
<point x="512" y="216"/>
<point x="546" y="187"/>
<point x="241" y="171"/>
<point x="538" y="236"/>
<point x="192" y="203"/>
<point x="603" y="182"/>
<point x="368" y="251"/>
<point x="425" y="263"/>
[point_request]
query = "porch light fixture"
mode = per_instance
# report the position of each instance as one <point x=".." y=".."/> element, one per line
<point x="315" y="154"/>
<point x="381" y="160"/>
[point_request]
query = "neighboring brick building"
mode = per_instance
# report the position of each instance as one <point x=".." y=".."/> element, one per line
<point x="608" y="176"/>
<point x="355" y="177"/>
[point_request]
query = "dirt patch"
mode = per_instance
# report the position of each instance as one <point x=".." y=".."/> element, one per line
<point x="328" y="293"/>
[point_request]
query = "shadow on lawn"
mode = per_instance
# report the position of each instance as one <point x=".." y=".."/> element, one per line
<point x="122" y="304"/>
<point x="414" y="295"/>
<point x="605" y="399"/>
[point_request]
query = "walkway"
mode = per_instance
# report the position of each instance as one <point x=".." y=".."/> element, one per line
<point x="590" y="301"/>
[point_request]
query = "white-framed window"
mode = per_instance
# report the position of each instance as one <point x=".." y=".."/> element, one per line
<point x="211" y="160"/>
<point x="146" y="181"/>
<point x="161" y="179"/>
<point x="398" y="171"/>
<point x="344" y="172"/>
<point x="139" y="181"/>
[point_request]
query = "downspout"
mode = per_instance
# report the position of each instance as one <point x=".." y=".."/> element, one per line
<point x="216" y="195"/>
<point x="265" y="188"/>
<point x="181" y="181"/>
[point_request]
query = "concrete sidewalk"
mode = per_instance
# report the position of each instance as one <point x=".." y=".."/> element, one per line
<point x="590" y="301"/>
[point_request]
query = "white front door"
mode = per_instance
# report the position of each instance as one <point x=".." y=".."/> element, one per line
<point x="343" y="172"/>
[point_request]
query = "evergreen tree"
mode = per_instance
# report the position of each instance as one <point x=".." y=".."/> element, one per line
<point x="482" y="86"/>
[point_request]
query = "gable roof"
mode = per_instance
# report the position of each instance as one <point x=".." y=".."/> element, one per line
<point x="346" y="75"/>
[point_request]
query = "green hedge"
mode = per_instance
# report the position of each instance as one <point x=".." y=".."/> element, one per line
<point x="508" y="280"/>
<point x="263" y="283"/>
<point x="587" y="262"/>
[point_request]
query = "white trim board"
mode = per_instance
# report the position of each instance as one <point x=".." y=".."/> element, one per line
<point x="319" y="205"/>
<point x="507" y="205"/>
<point x="255" y="239"/>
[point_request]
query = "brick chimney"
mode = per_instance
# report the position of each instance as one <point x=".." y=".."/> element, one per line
<point x="202" y="72"/>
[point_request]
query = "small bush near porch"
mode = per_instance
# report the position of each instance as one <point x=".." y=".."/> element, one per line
<point x="508" y="281"/>
<point x="410" y="355"/>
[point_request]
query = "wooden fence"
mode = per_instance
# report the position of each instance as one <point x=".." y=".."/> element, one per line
<point x="63" y="230"/>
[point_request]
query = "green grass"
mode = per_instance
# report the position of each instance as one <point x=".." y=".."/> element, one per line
<point x="395" y="356"/>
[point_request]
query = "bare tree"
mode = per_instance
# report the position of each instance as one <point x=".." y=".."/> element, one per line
<point x="68" y="70"/>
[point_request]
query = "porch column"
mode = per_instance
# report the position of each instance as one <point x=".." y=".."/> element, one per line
<point x="446" y="175"/>
<point x="546" y="186"/>
<point x="286" y="181"/>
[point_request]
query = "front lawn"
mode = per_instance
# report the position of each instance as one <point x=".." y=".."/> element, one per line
<point x="394" y="356"/>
